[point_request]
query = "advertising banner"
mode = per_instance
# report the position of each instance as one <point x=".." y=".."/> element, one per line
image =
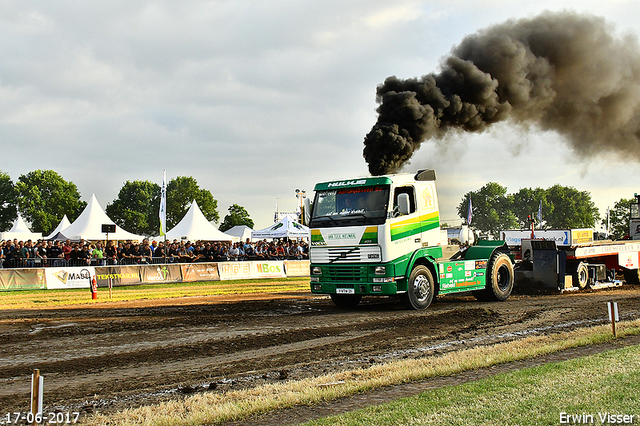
<point x="200" y="272"/>
<point x="71" y="277"/>
<point x="22" y="279"/>
<point x="119" y="275"/>
<point x="234" y="270"/>
<point x="268" y="269"/>
<point x="296" y="268"/>
<point x="628" y="260"/>
<point x="150" y="274"/>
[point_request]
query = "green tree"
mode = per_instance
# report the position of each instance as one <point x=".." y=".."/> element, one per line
<point x="619" y="219"/>
<point x="491" y="207"/>
<point x="44" y="197"/>
<point x="136" y="207"/>
<point x="8" y="202"/>
<point x="526" y="202"/>
<point x="181" y="192"/>
<point x="238" y="215"/>
<point x="569" y="208"/>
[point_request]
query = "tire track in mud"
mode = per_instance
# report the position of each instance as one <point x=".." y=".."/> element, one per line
<point x="123" y="357"/>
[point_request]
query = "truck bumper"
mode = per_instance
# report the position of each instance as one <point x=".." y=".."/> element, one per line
<point x="354" y="279"/>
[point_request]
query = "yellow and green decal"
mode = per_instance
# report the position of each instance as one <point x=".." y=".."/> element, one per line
<point x="416" y="225"/>
<point x="370" y="235"/>
<point x="316" y="238"/>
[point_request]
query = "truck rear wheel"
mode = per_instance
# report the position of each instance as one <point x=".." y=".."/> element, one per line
<point x="632" y="276"/>
<point x="420" y="288"/>
<point x="500" y="278"/>
<point x="346" y="300"/>
<point x="581" y="276"/>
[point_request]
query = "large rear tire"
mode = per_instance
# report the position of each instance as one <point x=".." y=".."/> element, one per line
<point x="581" y="276"/>
<point x="501" y="277"/>
<point x="420" y="288"/>
<point x="631" y="276"/>
<point x="346" y="301"/>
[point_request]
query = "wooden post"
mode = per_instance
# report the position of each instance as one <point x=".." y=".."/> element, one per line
<point x="36" y="395"/>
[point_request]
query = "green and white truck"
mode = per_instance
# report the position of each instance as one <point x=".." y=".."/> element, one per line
<point x="380" y="236"/>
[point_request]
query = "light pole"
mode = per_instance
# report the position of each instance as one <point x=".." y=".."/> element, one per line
<point x="300" y="195"/>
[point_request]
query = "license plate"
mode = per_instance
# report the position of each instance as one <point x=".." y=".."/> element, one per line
<point x="345" y="291"/>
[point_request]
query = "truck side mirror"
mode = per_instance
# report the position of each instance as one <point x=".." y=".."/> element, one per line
<point x="403" y="204"/>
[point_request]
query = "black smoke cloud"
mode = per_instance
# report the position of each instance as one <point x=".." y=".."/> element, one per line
<point x="560" y="71"/>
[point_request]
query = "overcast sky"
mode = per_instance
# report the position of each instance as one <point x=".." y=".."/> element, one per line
<point x="257" y="98"/>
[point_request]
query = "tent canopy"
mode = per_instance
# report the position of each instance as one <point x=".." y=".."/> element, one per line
<point x="88" y="226"/>
<point x="194" y="226"/>
<point x="21" y="231"/>
<point x="241" y="232"/>
<point x="286" y="228"/>
<point x="64" y="223"/>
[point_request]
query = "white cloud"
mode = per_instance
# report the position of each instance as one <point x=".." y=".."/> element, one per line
<point x="254" y="99"/>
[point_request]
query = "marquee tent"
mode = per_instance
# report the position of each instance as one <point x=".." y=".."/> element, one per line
<point x="21" y="231"/>
<point x="241" y="232"/>
<point x="88" y="226"/>
<point x="63" y="224"/>
<point x="194" y="226"/>
<point x="286" y="228"/>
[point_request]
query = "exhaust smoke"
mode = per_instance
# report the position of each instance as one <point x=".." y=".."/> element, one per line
<point x="560" y="71"/>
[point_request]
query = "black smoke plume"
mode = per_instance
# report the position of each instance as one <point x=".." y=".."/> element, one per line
<point x="560" y="71"/>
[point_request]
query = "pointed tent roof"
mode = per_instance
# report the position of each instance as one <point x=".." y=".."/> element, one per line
<point x="241" y="232"/>
<point x="88" y="225"/>
<point x="21" y="231"/>
<point x="287" y="227"/>
<point x="63" y="224"/>
<point x="194" y="226"/>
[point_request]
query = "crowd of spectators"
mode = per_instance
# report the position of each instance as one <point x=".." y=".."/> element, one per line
<point x="19" y="254"/>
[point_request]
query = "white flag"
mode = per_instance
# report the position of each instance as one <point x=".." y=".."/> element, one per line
<point x="163" y="205"/>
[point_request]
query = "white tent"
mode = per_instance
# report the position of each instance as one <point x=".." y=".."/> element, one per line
<point x="64" y="223"/>
<point x="21" y="231"/>
<point x="88" y="225"/>
<point x="241" y="232"/>
<point x="286" y="228"/>
<point x="194" y="226"/>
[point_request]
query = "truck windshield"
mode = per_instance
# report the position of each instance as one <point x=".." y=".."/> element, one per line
<point x="350" y="206"/>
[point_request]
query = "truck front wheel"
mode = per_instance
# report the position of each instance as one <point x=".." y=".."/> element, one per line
<point x="420" y="288"/>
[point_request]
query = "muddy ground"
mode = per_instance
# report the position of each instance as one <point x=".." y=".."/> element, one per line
<point x="111" y="356"/>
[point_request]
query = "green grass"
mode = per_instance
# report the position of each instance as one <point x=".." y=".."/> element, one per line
<point x="604" y="383"/>
<point x="39" y="299"/>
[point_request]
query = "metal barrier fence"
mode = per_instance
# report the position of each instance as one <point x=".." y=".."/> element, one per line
<point x="45" y="262"/>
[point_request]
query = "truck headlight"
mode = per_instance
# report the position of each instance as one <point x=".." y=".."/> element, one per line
<point x="316" y="270"/>
<point x="380" y="270"/>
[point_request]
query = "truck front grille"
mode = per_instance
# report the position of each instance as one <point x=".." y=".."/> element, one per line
<point x="346" y="254"/>
<point x="345" y="273"/>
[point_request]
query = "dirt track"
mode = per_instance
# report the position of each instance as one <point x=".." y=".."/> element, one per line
<point x="109" y="357"/>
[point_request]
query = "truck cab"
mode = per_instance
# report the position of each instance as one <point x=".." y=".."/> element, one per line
<point x="381" y="236"/>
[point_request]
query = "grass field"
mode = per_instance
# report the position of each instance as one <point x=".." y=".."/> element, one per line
<point x="34" y="299"/>
<point x="598" y="389"/>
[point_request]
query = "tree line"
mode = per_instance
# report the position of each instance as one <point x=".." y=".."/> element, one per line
<point x="43" y="197"/>
<point x="560" y="207"/>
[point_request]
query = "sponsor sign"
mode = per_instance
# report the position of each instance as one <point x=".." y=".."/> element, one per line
<point x="72" y="277"/>
<point x="164" y="273"/>
<point x="628" y="260"/>
<point x="22" y="279"/>
<point x="296" y="268"/>
<point x="119" y="275"/>
<point x="234" y="270"/>
<point x="200" y="272"/>
<point x="268" y="269"/>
